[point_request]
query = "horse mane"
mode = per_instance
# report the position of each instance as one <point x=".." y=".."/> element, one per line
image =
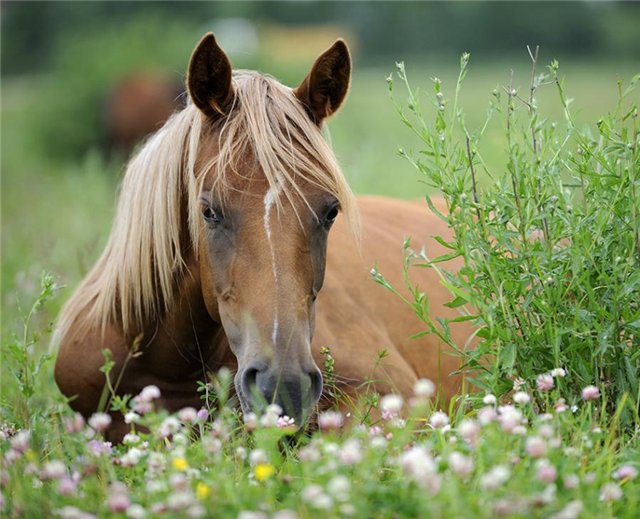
<point x="134" y="280"/>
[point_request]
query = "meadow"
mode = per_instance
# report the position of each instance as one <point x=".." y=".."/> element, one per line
<point x="552" y="430"/>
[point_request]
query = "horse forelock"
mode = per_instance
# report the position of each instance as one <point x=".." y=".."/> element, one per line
<point x="134" y="280"/>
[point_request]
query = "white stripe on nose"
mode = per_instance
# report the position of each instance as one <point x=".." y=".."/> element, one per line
<point x="269" y="199"/>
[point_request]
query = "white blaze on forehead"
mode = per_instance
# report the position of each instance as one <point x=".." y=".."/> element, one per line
<point x="269" y="199"/>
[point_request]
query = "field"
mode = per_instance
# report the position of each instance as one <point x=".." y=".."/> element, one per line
<point x="560" y="445"/>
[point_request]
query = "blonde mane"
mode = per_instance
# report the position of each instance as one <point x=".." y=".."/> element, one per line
<point x="134" y="280"/>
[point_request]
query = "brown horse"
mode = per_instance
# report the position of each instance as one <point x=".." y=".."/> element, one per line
<point x="137" y="106"/>
<point x="220" y="248"/>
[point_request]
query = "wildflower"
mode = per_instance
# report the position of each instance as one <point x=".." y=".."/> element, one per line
<point x="271" y="415"/>
<point x="180" y="464"/>
<point x="285" y="514"/>
<point x="250" y="421"/>
<point x="625" y="472"/>
<point x="132" y="457"/>
<point x="136" y="511"/>
<point x="187" y="415"/>
<point x="330" y="420"/>
<point x="212" y="445"/>
<point x="131" y="439"/>
<point x="438" y="420"/>
<point x="590" y="393"/>
<point x="350" y="453"/>
<point x="544" y="382"/>
<point x="247" y="514"/>
<point x="202" y="491"/>
<point x="179" y="482"/>
<point x="489" y="399"/>
<point x="339" y="487"/>
<point x="424" y="388"/>
<point x="195" y="511"/>
<point x="131" y="417"/>
<point x="518" y="383"/>
<point x="572" y="510"/>
<point x="571" y="481"/>
<point x="560" y="406"/>
<point x="118" y="501"/>
<point x="257" y="457"/>
<point x="316" y="497"/>
<point x="546" y="431"/>
<point x="178" y="501"/>
<point x="66" y="486"/>
<point x="610" y="492"/>
<point x="309" y="453"/>
<point x="558" y="372"/>
<point x="53" y="470"/>
<point x="71" y="512"/>
<point x="264" y="471"/>
<point x="469" y="430"/>
<point x="521" y="397"/>
<point x="390" y="405"/>
<point x="509" y="419"/>
<point x="460" y="464"/>
<point x="149" y="393"/>
<point x="285" y="421"/>
<point x="495" y="478"/>
<point x="75" y="424"/>
<point x="20" y="442"/>
<point x="536" y="447"/>
<point x="169" y="426"/>
<point x="100" y="422"/>
<point x="546" y="472"/>
<point x="487" y="415"/>
<point x="97" y="447"/>
<point x="202" y="415"/>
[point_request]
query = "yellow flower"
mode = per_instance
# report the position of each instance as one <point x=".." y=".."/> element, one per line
<point x="30" y="455"/>
<point x="180" y="464"/>
<point x="203" y="491"/>
<point x="264" y="471"/>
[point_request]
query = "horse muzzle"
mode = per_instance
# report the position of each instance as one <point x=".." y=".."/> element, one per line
<point x="296" y="392"/>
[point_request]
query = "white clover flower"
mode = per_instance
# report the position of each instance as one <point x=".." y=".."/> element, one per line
<point x="131" y="417"/>
<point x="590" y="393"/>
<point x="610" y="492"/>
<point x="20" y="441"/>
<point x="391" y="405"/>
<point x="131" y="439"/>
<point x="285" y="421"/>
<point x="469" y="430"/>
<point x="536" y="447"/>
<point x="486" y="415"/>
<point x="417" y="463"/>
<point x="625" y="472"/>
<point x="489" y="399"/>
<point x="330" y="420"/>
<point x="339" y="487"/>
<point x="250" y="421"/>
<point x="170" y="425"/>
<point x="136" y="511"/>
<point x="212" y="445"/>
<point x="521" y="397"/>
<point x="572" y="510"/>
<point x="248" y="514"/>
<point x="178" y="501"/>
<point x="258" y="456"/>
<point x="546" y="472"/>
<point x="571" y="481"/>
<point x="439" y="420"/>
<point x="100" y="421"/>
<point x="558" y="372"/>
<point x="187" y="415"/>
<point x="351" y="452"/>
<point x="310" y="453"/>
<point x="424" y="388"/>
<point x="460" y="464"/>
<point x="545" y="382"/>
<point x="149" y="393"/>
<point x="495" y="478"/>
<point x="54" y="469"/>
<point x="131" y="457"/>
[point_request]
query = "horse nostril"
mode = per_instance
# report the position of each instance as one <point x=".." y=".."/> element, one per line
<point x="248" y="385"/>
<point x="316" y="384"/>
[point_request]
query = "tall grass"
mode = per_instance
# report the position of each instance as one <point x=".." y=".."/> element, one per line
<point x="551" y="244"/>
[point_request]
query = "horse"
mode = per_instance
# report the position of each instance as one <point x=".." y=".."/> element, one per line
<point x="238" y="243"/>
<point x="137" y="106"/>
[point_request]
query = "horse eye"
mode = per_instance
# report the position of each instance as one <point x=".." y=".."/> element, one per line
<point x="210" y="215"/>
<point x="331" y="216"/>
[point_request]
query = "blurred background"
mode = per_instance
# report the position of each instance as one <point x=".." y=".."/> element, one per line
<point x="83" y="82"/>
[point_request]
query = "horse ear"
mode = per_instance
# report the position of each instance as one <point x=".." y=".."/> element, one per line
<point x="209" y="77"/>
<point x="326" y="86"/>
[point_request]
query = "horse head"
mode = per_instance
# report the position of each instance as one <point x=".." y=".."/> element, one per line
<point x="269" y="192"/>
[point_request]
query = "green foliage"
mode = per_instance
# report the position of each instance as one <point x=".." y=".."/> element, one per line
<point x="551" y="245"/>
<point x="512" y="460"/>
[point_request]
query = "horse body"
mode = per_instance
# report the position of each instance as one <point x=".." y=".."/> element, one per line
<point x="221" y="254"/>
